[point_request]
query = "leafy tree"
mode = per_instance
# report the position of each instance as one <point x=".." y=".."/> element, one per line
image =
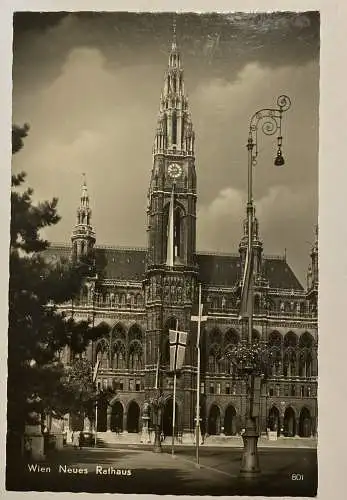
<point x="37" y="330"/>
<point x="78" y="392"/>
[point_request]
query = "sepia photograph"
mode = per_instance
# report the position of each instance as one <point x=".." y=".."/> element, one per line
<point x="163" y="288"/>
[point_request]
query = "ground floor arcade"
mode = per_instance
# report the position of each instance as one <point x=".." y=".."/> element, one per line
<point x="217" y="419"/>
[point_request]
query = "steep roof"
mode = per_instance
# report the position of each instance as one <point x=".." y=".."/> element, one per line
<point x="215" y="269"/>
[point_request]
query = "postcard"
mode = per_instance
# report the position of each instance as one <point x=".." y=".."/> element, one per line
<point x="163" y="293"/>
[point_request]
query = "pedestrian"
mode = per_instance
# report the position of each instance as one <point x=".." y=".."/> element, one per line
<point x="27" y="448"/>
<point x="75" y="439"/>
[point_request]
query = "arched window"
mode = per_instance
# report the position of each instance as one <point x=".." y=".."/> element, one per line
<point x="134" y="333"/>
<point x="138" y="300"/>
<point x="289" y="362"/>
<point x="214" y="358"/>
<point x="231" y="337"/>
<point x="275" y="339"/>
<point x="118" y="332"/>
<point x="178" y="229"/>
<point x="290" y="340"/>
<point x="178" y="232"/>
<point x="174" y="121"/>
<point x="275" y="360"/>
<point x="305" y="363"/>
<point x="306" y="340"/>
<point x="102" y="353"/>
<point x="118" y="355"/>
<point x="135" y="355"/>
<point x="215" y="336"/>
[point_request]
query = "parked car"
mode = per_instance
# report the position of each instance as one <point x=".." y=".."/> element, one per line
<point x="87" y="438"/>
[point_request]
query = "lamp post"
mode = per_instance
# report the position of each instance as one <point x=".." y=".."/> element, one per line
<point x="270" y="120"/>
<point x="157" y="406"/>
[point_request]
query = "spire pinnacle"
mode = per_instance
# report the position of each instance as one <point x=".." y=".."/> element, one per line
<point x="84" y="195"/>
<point x="174" y="36"/>
<point x="83" y="236"/>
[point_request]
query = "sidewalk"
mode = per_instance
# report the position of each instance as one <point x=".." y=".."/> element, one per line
<point x="229" y="442"/>
<point x="105" y="470"/>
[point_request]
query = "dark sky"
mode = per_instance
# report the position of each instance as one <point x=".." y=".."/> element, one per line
<point x="89" y="86"/>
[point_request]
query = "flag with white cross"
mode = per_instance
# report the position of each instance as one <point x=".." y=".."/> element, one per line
<point x="177" y="342"/>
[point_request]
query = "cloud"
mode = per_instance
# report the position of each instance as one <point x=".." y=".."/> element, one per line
<point x="283" y="223"/>
<point x="97" y="114"/>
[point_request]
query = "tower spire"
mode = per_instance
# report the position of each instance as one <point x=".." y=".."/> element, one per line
<point x="174" y="129"/>
<point x="83" y="236"/>
<point x="257" y="243"/>
<point x="174" y="37"/>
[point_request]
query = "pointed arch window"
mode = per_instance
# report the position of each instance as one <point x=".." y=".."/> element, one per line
<point x="289" y="362"/>
<point x="102" y="354"/>
<point x="118" y="358"/>
<point x="177" y="232"/>
<point x="305" y="363"/>
<point x="276" y="358"/>
<point x="135" y="355"/>
<point x="214" y="358"/>
<point x="174" y="123"/>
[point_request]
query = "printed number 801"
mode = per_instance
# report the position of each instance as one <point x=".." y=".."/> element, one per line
<point x="297" y="477"/>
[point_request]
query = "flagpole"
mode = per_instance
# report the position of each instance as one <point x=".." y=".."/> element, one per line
<point x="174" y="406"/>
<point x="198" y="383"/>
<point x="157" y="444"/>
<point x="96" y="420"/>
<point x="170" y="253"/>
<point x="173" y="416"/>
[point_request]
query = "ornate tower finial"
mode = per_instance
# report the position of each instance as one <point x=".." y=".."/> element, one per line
<point x="174" y="37"/>
<point x="83" y="236"/>
<point x="84" y="194"/>
<point x="257" y="243"/>
<point x="174" y="131"/>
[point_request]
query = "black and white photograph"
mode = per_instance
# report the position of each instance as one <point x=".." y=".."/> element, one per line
<point x="163" y="288"/>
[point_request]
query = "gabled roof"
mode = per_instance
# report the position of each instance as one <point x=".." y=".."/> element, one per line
<point x="215" y="269"/>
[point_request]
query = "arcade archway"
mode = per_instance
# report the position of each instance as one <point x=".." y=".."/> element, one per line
<point x="273" y="422"/>
<point x="133" y="417"/>
<point x="167" y="418"/>
<point x="289" y="426"/>
<point x="117" y="417"/>
<point x="230" y="427"/>
<point x="213" y="424"/>
<point x="305" y="423"/>
<point x="102" y="415"/>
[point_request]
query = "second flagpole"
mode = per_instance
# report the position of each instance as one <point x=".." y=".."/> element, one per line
<point x="198" y="383"/>
<point x="174" y="407"/>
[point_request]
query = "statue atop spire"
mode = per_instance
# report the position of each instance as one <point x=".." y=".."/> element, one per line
<point x="174" y="37"/>
<point x="84" y="195"/>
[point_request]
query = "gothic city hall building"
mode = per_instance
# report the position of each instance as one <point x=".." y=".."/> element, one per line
<point x="141" y="293"/>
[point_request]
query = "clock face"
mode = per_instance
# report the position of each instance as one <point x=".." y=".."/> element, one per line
<point x="174" y="170"/>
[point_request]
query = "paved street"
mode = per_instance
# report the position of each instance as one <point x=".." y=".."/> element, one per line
<point x="107" y="470"/>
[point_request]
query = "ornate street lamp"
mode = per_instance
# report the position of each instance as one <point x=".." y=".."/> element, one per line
<point x="157" y="404"/>
<point x="270" y="120"/>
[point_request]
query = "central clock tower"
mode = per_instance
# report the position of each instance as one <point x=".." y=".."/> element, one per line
<point x="171" y="270"/>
